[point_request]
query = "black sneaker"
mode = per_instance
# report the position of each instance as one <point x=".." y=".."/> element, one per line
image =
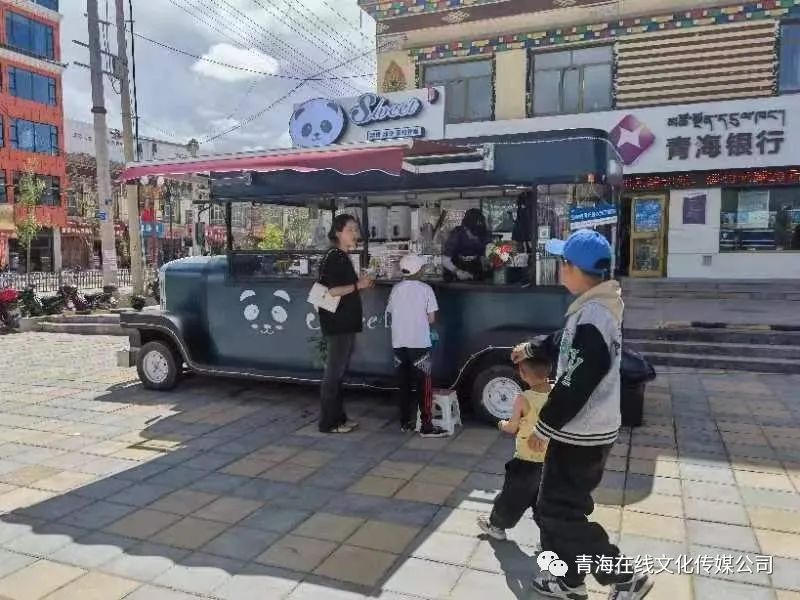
<point x="433" y="432"/>
<point x="635" y="589"/>
<point x="554" y="587"/>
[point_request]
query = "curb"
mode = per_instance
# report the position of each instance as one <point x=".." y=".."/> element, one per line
<point x="738" y="326"/>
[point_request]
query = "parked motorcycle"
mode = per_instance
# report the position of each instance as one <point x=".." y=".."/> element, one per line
<point x="33" y="305"/>
<point x="9" y="308"/>
<point x="73" y="299"/>
<point x="104" y="300"/>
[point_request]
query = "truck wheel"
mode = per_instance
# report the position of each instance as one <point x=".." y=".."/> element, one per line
<point x="158" y="366"/>
<point x="493" y="392"/>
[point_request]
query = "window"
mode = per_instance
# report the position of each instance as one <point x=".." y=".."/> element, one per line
<point x="73" y="205"/>
<point x="29" y="36"/>
<point x="468" y="89"/>
<point x="51" y="4"/>
<point x="34" y="137"/>
<point x="31" y="86"/>
<point x="3" y="188"/>
<point x="572" y="81"/>
<point x="789" y="70"/>
<point x="760" y="219"/>
<point x="217" y="214"/>
<point x="239" y="216"/>
<point x="188" y="215"/>
<point x="52" y="190"/>
<point x="2" y="133"/>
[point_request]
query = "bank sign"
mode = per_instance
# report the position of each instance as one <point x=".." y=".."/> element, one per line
<point x="368" y="118"/>
<point x="737" y="134"/>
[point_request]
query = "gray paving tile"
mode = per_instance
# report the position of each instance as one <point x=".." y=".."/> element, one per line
<point x="711" y="474"/>
<point x="177" y="477"/>
<point x="44" y="541"/>
<point x="11" y="562"/>
<point x="104" y="488"/>
<point x="140" y="495"/>
<point x="199" y="574"/>
<point x="424" y="578"/>
<point x="770" y="498"/>
<point x="145" y="471"/>
<point x="144" y="562"/>
<point x="219" y="483"/>
<point x="719" y="512"/>
<point x="744" y="569"/>
<point x="97" y="515"/>
<point x="56" y="508"/>
<point x="270" y="518"/>
<point x="786" y="573"/>
<point x="714" y="588"/>
<point x="257" y="582"/>
<point x="242" y="543"/>
<point x="304" y="497"/>
<point x="722" y="535"/>
<point x="151" y="592"/>
<point x="209" y="461"/>
<point x="93" y="550"/>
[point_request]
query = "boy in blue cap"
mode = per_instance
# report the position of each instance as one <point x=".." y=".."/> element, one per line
<point x="581" y="421"/>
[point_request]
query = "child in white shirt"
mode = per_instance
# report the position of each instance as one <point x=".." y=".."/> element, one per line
<point x="413" y="307"/>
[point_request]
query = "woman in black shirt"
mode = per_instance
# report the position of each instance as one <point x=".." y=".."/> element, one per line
<point x="340" y="328"/>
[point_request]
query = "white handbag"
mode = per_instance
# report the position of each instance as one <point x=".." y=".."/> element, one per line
<point x="319" y="296"/>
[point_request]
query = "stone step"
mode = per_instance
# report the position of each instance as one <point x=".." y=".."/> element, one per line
<point x="714" y="349"/>
<point x="82" y="328"/>
<point x="96" y="318"/>
<point x="787" y="290"/>
<point x="717" y="336"/>
<point x="726" y="363"/>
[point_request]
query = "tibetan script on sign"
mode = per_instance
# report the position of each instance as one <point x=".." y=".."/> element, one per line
<point x="727" y="120"/>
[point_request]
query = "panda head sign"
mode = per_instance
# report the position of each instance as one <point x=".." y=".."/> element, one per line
<point x="321" y="122"/>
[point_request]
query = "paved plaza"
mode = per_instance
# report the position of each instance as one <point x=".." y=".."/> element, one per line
<point x="224" y="489"/>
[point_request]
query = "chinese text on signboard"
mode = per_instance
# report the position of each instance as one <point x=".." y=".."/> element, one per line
<point x="723" y="134"/>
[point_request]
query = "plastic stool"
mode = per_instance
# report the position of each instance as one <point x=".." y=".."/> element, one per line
<point x="446" y="411"/>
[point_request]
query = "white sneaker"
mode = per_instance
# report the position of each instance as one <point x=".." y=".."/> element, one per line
<point x="494" y="532"/>
<point x="554" y="587"/>
<point x="636" y="589"/>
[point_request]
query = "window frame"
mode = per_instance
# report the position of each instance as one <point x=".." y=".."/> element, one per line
<point x="3" y="187"/>
<point x="31" y="24"/>
<point x="16" y="73"/>
<point x="52" y="193"/>
<point x="781" y="45"/>
<point x="581" y="68"/>
<point x="434" y="83"/>
<point x="53" y="150"/>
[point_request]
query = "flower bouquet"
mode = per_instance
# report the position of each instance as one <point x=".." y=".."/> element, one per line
<point x="499" y="257"/>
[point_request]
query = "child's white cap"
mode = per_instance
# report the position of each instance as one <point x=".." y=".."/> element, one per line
<point x="411" y="264"/>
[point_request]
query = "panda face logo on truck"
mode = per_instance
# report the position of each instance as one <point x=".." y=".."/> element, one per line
<point x="277" y="317"/>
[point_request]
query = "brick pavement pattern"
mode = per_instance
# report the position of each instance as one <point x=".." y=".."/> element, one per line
<point x="224" y="489"/>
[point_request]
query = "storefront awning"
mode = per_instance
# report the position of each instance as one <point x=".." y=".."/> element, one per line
<point x="352" y="159"/>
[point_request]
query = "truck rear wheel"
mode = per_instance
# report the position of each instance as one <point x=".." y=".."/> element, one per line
<point x="493" y="392"/>
<point x="159" y="366"/>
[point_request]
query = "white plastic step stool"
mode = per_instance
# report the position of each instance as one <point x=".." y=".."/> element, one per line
<point x="446" y="411"/>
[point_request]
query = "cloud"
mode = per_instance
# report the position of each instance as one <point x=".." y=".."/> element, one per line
<point x="238" y="57"/>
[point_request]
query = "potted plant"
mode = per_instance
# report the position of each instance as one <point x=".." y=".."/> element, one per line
<point x="499" y="256"/>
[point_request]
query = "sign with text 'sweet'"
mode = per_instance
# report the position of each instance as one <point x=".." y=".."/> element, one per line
<point x="369" y="118"/>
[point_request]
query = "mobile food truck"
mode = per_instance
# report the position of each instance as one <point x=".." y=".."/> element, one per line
<point x="246" y="315"/>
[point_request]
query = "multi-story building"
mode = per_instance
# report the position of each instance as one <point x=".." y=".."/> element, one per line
<point x="31" y="124"/>
<point x="699" y="96"/>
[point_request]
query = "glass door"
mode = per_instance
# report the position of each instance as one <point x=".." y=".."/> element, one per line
<point x="648" y="235"/>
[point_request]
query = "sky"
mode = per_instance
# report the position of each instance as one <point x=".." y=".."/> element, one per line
<point x="275" y="44"/>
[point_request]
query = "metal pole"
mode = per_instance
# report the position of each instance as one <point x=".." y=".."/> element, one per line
<point x="132" y="189"/>
<point x="107" y="245"/>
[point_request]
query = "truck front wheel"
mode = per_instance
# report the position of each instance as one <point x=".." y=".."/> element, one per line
<point x="158" y="366"/>
<point x="493" y="392"/>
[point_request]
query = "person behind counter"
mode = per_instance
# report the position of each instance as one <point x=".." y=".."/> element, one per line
<point x="465" y="248"/>
<point x="338" y="274"/>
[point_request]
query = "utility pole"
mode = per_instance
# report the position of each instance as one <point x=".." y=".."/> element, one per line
<point x="131" y="189"/>
<point x="105" y="208"/>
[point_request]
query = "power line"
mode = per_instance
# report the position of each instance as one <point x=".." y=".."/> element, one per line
<point x="324" y="47"/>
<point x="247" y="69"/>
<point x="268" y="35"/>
<point x="281" y="99"/>
<point x="347" y="21"/>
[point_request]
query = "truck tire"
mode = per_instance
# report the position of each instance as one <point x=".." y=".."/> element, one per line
<point x="159" y="366"/>
<point x="494" y="389"/>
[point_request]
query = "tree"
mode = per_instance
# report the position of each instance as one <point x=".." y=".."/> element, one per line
<point x="29" y="196"/>
<point x="271" y="238"/>
<point x="298" y="229"/>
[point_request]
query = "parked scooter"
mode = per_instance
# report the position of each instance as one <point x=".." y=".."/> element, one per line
<point x="9" y="308"/>
<point x="33" y="305"/>
<point x="105" y="300"/>
<point x="73" y="299"/>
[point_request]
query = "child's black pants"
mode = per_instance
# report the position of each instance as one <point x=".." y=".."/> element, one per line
<point x="520" y="490"/>
<point x="414" y="380"/>
<point x="569" y="476"/>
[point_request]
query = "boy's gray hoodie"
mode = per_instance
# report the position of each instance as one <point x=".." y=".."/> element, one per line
<point x="584" y="406"/>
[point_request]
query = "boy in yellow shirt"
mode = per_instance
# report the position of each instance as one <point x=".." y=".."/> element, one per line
<point x="524" y="471"/>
